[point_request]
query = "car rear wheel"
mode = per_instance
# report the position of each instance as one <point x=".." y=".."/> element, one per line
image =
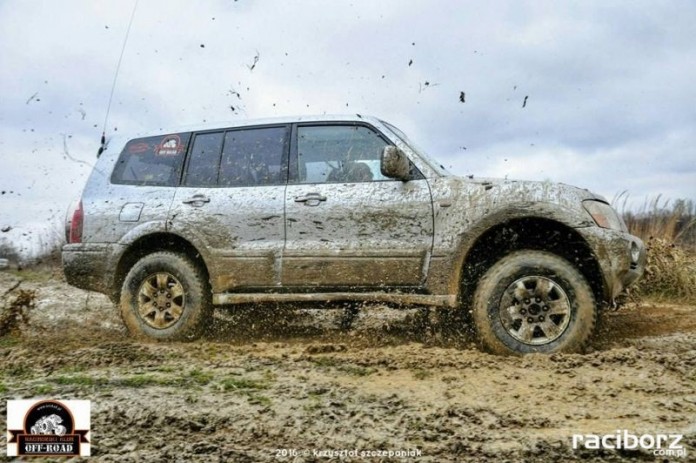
<point x="165" y="296"/>
<point x="534" y="301"/>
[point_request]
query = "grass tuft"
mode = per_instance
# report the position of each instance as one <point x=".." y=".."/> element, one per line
<point x="200" y="377"/>
<point x="78" y="380"/>
<point x="43" y="389"/>
<point x="229" y="384"/>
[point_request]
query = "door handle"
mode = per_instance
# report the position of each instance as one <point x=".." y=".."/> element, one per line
<point x="196" y="200"/>
<point x="310" y="199"/>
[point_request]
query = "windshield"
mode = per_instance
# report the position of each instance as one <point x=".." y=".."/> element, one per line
<point x="439" y="168"/>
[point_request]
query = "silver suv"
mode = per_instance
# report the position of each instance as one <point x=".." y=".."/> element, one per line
<point x="340" y="208"/>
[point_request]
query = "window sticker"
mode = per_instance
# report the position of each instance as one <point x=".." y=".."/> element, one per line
<point x="138" y="148"/>
<point x="169" y="146"/>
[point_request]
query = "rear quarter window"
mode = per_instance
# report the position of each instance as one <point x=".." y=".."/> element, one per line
<point x="155" y="161"/>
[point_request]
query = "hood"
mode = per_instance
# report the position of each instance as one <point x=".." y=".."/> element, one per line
<point x="507" y="190"/>
<point x="480" y="197"/>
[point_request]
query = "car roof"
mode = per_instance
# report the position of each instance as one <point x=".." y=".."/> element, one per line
<point x="262" y="121"/>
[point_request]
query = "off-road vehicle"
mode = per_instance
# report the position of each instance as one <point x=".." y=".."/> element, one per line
<point x="340" y="208"/>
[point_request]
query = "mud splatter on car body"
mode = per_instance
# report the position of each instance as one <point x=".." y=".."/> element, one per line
<point x="271" y="210"/>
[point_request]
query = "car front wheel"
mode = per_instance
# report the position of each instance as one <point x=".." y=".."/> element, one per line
<point x="534" y="301"/>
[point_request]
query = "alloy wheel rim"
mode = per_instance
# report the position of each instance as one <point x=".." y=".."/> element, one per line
<point x="535" y="310"/>
<point x="161" y="300"/>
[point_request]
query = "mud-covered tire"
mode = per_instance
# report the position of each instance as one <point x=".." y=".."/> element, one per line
<point x="508" y="306"/>
<point x="165" y="296"/>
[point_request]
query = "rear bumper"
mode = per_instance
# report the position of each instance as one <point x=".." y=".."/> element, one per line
<point x="621" y="257"/>
<point x="90" y="266"/>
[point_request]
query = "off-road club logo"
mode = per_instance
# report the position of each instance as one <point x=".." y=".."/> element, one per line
<point x="169" y="146"/>
<point x="48" y="428"/>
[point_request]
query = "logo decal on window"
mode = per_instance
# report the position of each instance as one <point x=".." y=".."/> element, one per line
<point x="138" y="148"/>
<point x="170" y="146"/>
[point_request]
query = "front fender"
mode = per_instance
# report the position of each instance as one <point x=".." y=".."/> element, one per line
<point x="459" y="230"/>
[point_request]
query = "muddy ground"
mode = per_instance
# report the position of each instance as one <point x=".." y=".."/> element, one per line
<point x="276" y="384"/>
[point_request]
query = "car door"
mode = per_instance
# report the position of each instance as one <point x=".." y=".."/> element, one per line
<point x="231" y="201"/>
<point x="346" y="224"/>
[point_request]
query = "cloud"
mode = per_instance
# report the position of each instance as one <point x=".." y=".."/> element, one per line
<point x="609" y="88"/>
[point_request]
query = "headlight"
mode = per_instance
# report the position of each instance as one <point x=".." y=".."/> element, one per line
<point x="604" y="215"/>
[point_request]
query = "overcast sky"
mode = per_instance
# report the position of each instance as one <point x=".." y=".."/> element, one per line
<point x="610" y="87"/>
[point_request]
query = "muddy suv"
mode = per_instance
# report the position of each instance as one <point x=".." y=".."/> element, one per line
<point x="340" y="209"/>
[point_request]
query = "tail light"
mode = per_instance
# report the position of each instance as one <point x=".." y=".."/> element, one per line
<point x="75" y="234"/>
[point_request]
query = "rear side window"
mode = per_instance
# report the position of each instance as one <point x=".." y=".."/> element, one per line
<point x="204" y="160"/>
<point x="253" y="157"/>
<point x="236" y="158"/>
<point x="155" y="161"/>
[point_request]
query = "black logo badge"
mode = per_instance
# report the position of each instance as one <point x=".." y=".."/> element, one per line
<point x="49" y="430"/>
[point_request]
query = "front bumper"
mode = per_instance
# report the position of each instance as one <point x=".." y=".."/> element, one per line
<point x="90" y="266"/>
<point x="621" y="257"/>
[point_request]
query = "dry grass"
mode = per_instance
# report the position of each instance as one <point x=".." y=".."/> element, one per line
<point x="673" y="221"/>
<point x="669" y="231"/>
<point x="670" y="274"/>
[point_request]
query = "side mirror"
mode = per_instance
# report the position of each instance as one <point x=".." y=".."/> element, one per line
<point x="394" y="163"/>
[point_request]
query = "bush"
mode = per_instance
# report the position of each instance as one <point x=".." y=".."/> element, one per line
<point x="670" y="273"/>
<point x="669" y="232"/>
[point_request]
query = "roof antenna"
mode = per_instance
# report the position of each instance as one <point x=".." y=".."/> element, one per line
<point x="102" y="147"/>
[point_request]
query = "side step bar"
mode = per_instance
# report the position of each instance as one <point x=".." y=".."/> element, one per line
<point x="449" y="300"/>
